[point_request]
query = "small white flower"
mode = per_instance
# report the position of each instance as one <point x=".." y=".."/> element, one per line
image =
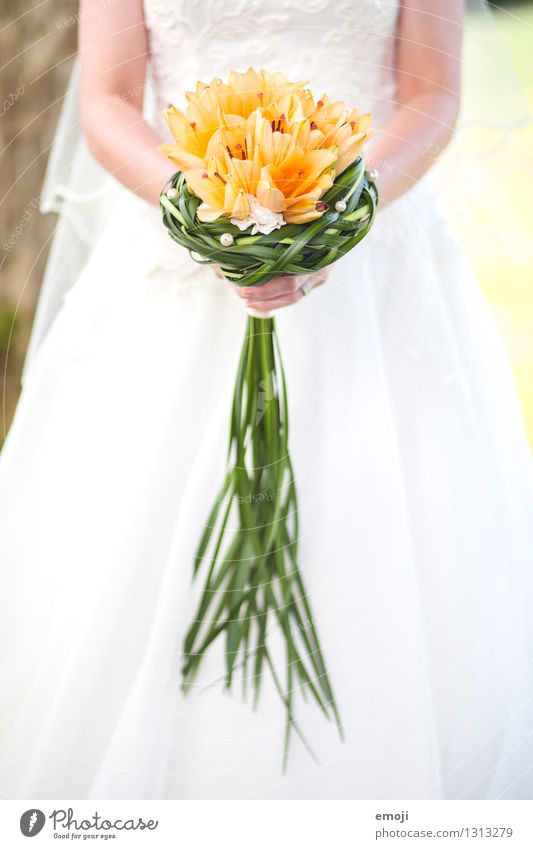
<point x="263" y="219"/>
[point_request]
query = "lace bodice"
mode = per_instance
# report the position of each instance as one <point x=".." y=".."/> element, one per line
<point x="343" y="47"/>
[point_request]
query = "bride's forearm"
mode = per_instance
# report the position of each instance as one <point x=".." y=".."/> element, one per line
<point x="114" y="51"/>
<point x="417" y="134"/>
<point x="125" y="145"/>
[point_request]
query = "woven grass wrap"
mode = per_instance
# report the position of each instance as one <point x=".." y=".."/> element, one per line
<point x="293" y="249"/>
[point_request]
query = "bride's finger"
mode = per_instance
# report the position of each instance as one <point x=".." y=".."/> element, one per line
<point x="286" y="288"/>
<point x="320" y="277"/>
<point x="276" y="288"/>
<point x="274" y="304"/>
<point x="289" y="292"/>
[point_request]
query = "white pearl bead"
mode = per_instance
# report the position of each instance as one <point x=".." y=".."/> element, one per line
<point x="340" y="206"/>
<point x="173" y="194"/>
<point x="372" y="175"/>
<point x="226" y="240"/>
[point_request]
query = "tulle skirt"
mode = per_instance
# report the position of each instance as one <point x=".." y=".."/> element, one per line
<point x="416" y="505"/>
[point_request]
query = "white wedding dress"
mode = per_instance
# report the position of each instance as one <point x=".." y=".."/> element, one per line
<point x="412" y="466"/>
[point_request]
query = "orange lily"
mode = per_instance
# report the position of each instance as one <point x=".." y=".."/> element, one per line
<point x="260" y="137"/>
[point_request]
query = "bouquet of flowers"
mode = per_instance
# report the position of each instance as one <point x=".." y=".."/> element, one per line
<point x="257" y="155"/>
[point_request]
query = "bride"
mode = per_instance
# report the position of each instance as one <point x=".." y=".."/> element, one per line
<point x="413" y="470"/>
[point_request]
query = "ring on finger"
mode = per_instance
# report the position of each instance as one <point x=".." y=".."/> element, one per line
<point x="306" y="286"/>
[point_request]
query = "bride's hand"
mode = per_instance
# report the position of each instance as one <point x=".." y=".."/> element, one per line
<point x="280" y="292"/>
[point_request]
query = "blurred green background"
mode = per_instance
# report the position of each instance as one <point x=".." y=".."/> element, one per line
<point x="38" y="49"/>
<point x="499" y="235"/>
<point x="509" y="284"/>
